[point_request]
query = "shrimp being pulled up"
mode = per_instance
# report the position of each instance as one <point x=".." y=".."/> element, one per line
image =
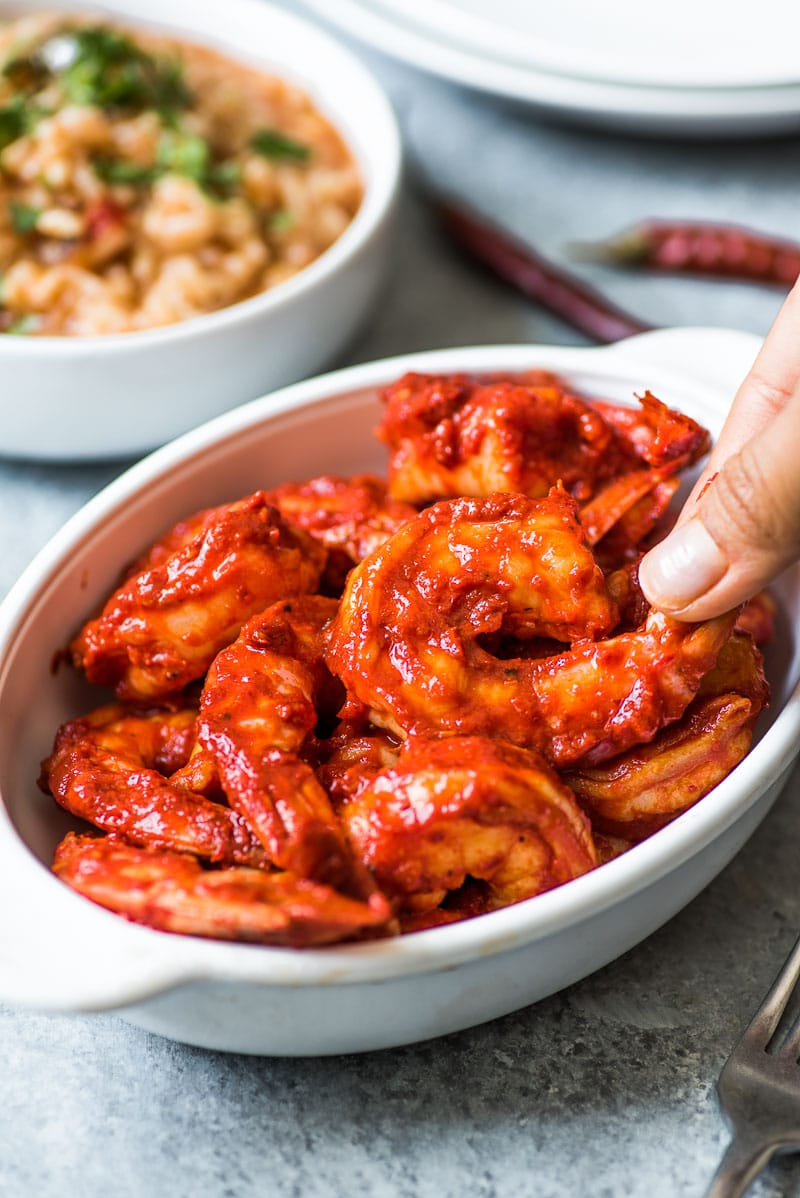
<point x="405" y="641"/>
<point x="454" y="435"/>
<point x="638" y="792"/>
<point x="108" y="768"/>
<point x="162" y="629"/>
<point x="172" y="892"/>
<point x="259" y="704"/>
<point x="468" y="807"/>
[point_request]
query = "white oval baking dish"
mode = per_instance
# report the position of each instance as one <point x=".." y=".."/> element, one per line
<point x="60" y="952"/>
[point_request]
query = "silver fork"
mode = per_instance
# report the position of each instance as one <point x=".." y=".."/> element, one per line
<point x="759" y="1091"/>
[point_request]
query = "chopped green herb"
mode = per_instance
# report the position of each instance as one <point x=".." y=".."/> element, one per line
<point x="114" y="170"/>
<point x="190" y="155"/>
<point x="23" y="216"/>
<point x="184" y="154"/>
<point x="23" y="325"/>
<point x="102" y="66"/>
<point x="281" y="221"/>
<point x="223" y="178"/>
<point x="180" y="154"/>
<point x="273" y="144"/>
<point x="110" y="70"/>
<point x="16" y="119"/>
<point x="26" y="73"/>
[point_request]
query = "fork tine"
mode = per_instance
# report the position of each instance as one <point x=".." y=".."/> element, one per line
<point x="791" y="1045"/>
<point x="762" y="1026"/>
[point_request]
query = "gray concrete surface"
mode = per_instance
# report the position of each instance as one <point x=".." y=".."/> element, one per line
<point x="604" y="1090"/>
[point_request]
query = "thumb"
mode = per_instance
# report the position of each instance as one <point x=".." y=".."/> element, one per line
<point x="744" y="528"/>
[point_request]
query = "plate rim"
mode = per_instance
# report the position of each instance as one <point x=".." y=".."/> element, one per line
<point x="689" y="110"/>
<point x="506" y="43"/>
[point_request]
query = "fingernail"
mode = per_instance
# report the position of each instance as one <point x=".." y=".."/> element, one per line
<point x="683" y="567"/>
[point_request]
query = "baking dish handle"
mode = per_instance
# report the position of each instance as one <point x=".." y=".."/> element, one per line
<point x="719" y="357"/>
<point x="58" y="951"/>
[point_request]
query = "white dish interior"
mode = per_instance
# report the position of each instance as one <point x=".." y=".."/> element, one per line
<point x="58" y="950"/>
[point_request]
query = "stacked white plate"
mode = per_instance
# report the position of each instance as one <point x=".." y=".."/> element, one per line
<point x="687" y="67"/>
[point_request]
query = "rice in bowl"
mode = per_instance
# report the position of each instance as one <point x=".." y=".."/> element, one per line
<point x="145" y="180"/>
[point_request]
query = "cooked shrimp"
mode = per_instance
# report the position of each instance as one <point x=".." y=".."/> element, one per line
<point x="405" y="640"/>
<point x="635" y="794"/>
<point x="175" y="538"/>
<point x="467" y="807"/>
<point x="349" y="516"/>
<point x="627" y="508"/>
<point x="454" y="435"/>
<point x="259" y="703"/>
<point x="105" y="768"/>
<point x="658" y="435"/>
<point x="172" y="892"/>
<point x="621" y="539"/>
<point x="352" y="757"/>
<point x="739" y="670"/>
<point x="638" y="499"/>
<point x="162" y="629"/>
<point x="758" y="617"/>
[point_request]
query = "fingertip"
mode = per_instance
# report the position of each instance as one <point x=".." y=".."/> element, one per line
<point x="682" y="568"/>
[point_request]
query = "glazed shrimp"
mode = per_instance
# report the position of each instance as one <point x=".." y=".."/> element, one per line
<point x="405" y="640"/>
<point x="658" y="435"/>
<point x="172" y="892"/>
<point x="352" y="757"/>
<point x="638" y="792"/>
<point x="175" y="538"/>
<point x="468" y="807"/>
<point x="259" y="703"/>
<point x="162" y="629"/>
<point x="349" y="516"/>
<point x="107" y="768"/>
<point x="453" y="435"/>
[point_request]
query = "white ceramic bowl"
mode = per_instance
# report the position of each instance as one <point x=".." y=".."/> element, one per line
<point x="59" y="951"/>
<point x="65" y="398"/>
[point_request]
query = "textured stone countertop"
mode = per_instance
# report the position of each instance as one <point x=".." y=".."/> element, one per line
<point x="605" y="1089"/>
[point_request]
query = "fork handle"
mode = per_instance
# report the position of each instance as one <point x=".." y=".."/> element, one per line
<point x="741" y="1164"/>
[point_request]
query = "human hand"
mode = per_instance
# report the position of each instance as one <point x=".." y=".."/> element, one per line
<point x="741" y="524"/>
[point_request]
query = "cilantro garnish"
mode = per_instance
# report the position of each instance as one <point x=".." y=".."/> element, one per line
<point x="16" y="119"/>
<point x="101" y="66"/>
<point x="108" y="69"/>
<point x="178" y="153"/>
<point x="23" y="216"/>
<point x="184" y="154"/>
<point x="273" y="144"/>
<point x="116" y="170"/>
<point x="281" y="221"/>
